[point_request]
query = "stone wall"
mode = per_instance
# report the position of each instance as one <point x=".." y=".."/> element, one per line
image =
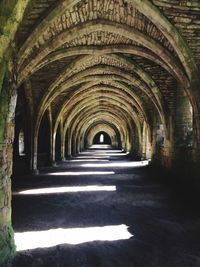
<point x="183" y="133"/>
<point x="7" y="107"/>
<point x="11" y="14"/>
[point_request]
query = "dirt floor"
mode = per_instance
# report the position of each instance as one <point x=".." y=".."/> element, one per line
<point x="162" y="230"/>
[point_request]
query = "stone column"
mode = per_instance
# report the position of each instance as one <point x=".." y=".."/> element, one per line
<point x="34" y="154"/>
<point x="73" y="148"/>
<point x="52" y="139"/>
<point x="183" y="131"/>
<point x="53" y="149"/>
<point x="82" y="143"/>
<point x="144" y="140"/>
<point x="158" y="140"/>
<point x="69" y="153"/>
<point x="62" y="141"/>
<point x="8" y="99"/>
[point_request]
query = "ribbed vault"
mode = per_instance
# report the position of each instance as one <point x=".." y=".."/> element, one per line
<point x="129" y="68"/>
<point x="87" y="61"/>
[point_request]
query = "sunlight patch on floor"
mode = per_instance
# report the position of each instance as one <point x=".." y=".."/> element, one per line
<point x="73" y="236"/>
<point x="117" y="164"/>
<point x="101" y="151"/>
<point x="80" y="173"/>
<point x="67" y="189"/>
<point x="88" y="160"/>
<point x="102" y="154"/>
<point x="101" y="146"/>
<point x="92" y="157"/>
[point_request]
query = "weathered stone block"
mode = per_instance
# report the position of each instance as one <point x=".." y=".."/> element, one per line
<point x="7" y="247"/>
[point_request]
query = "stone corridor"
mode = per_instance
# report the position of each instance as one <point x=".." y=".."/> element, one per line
<point x="161" y="229"/>
<point x="77" y="74"/>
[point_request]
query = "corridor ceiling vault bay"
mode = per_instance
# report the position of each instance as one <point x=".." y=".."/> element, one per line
<point x="129" y="68"/>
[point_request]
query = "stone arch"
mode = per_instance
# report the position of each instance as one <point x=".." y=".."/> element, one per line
<point x="57" y="92"/>
<point x="91" y="133"/>
<point x="89" y="27"/>
<point x="126" y="115"/>
<point x="16" y="13"/>
<point x="83" y="74"/>
<point x="173" y="69"/>
<point x="93" y="119"/>
<point x="102" y="137"/>
<point x="147" y="9"/>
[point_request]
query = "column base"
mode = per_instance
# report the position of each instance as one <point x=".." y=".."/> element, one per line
<point x="53" y="164"/>
<point x="35" y="172"/>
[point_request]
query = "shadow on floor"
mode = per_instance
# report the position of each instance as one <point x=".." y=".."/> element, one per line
<point x="163" y="232"/>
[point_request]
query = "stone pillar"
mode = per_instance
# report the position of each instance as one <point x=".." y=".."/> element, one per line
<point x="157" y="141"/>
<point x="53" y="148"/>
<point x="80" y="143"/>
<point x="144" y="140"/>
<point x="77" y="148"/>
<point x="29" y="124"/>
<point x="183" y="133"/>
<point x="34" y="154"/>
<point x="8" y="99"/>
<point x="62" y="141"/>
<point x="113" y="143"/>
<point x="73" y="148"/>
<point x="148" y="146"/>
<point x="69" y="153"/>
<point x="184" y="120"/>
<point x="63" y="148"/>
<point x="52" y="156"/>
<point x="31" y="149"/>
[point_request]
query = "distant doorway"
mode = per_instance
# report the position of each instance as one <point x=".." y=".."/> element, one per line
<point x="102" y="138"/>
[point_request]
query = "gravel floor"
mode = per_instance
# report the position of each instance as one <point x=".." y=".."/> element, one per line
<point x="163" y="231"/>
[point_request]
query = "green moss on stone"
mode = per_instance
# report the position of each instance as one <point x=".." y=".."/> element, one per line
<point x="4" y="104"/>
<point x="11" y="15"/>
<point x="7" y="246"/>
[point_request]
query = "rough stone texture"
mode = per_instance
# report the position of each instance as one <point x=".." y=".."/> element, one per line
<point x="7" y="247"/>
<point x="88" y="64"/>
<point x="94" y="12"/>
<point x="8" y="102"/>
<point x="185" y="16"/>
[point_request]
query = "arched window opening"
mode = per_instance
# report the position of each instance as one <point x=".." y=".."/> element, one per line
<point x="21" y="143"/>
<point x="101" y="139"/>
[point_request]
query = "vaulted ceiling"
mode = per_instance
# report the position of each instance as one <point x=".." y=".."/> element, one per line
<point x="114" y="62"/>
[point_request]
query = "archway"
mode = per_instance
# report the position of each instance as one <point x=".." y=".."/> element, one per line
<point x="102" y="138"/>
<point x="148" y="57"/>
